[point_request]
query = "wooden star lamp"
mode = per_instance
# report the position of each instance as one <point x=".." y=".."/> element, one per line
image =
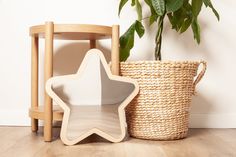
<point x="93" y="100"/>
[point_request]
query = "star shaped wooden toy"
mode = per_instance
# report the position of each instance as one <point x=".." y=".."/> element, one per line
<point x="93" y="100"/>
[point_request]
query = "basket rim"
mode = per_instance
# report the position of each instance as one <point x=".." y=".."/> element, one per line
<point x="163" y="62"/>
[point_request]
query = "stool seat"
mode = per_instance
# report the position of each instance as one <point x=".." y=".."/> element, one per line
<point x="74" y="31"/>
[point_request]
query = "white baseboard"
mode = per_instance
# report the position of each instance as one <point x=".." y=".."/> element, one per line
<point x="212" y="121"/>
<point x="21" y="118"/>
<point x="14" y="118"/>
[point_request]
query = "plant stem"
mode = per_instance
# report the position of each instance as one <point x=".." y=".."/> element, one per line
<point x="158" y="39"/>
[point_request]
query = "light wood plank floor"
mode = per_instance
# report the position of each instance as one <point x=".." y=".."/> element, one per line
<point x="20" y="142"/>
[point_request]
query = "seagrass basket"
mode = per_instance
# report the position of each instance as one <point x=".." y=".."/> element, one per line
<point x="161" y="109"/>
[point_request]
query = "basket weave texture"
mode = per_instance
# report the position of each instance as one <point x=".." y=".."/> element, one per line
<point x="161" y="109"/>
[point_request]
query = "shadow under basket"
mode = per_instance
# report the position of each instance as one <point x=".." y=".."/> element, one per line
<point x="161" y="109"/>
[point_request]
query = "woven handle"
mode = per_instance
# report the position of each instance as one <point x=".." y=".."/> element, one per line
<point x="200" y="75"/>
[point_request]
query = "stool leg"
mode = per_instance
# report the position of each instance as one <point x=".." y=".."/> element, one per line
<point x="115" y="58"/>
<point x="92" y="44"/>
<point x="34" y="80"/>
<point x="48" y="65"/>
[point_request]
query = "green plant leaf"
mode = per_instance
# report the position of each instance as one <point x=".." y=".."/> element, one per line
<point x="122" y="3"/>
<point x="209" y="4"/>
<point x="127" y="39"/>
<point x="148" y="2"/>
<point x="133" y="3"/>
<point x="139" y="29"/>
<point x="170" y="17"/>
<point x="159" y="6"/>
<point x="173" y="5"/>
<point x="152" y="19"/>
<point x="187" y="9"/>
<point x="154" y="15"/>
<point x="187" y="22"/>
<point x="124" y="54"/>
<point x="127" y="42"/>
<point x="139" y="10"/>
<point x="176" y="19"/>
<point x="196" y="7"/>
<point x="196" y="30"/>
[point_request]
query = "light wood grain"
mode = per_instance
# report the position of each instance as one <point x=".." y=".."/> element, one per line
<point x="92" y="44"/>
<point x="34" y="80"/>
<point x="38" y="113"/>
<point x="115" y="55"/>
<point x="51" y="31"/>
<point x="48" y="65"/>
<point x="84" y="118"/>
<point x="93" y="100"/>
<point x="19" y="141"/>
<point x="74" y="31"/>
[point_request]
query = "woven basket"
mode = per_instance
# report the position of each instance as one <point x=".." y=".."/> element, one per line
<point x="161" y="110"/>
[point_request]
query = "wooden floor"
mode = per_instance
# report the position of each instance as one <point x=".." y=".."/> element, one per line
<point x="20" y="142"/>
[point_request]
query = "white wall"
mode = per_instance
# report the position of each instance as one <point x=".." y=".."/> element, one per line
<point x="215" y="103"/>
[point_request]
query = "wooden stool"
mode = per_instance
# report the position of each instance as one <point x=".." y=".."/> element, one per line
<point x="49" y="32"/>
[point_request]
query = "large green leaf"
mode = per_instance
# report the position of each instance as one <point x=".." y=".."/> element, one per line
<point x="127" y="42"/>
<point x="196" y="7"/>
<point x="148" y="2"/>
<point x="196" y="30"/>
<point x="159" y="6"/>
<point x="170" y="17"/>
<point x="176" y="19"/>
<point x="127" y="39"/>
<point x="188" y="16"/>
<point x="187" y="22"/>
<point x="124" y="54"/>
<point x="152" y="19"/>
<point x="173" y="5"/>
<point x="139" y="28"/>
<point x="154" y="15"/>
<point x="139" y="10"/>
<point x="209" y="4"/>
<point x="187" y="9"/>
<point x="182" y="18"/>
<point x="133" y="3"/>
<point x="122" y="3"/>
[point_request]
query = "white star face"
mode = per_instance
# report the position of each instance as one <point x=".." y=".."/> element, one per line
<point x="93" y="100"/>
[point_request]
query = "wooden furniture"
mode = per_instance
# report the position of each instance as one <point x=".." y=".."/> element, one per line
<point x="93" y="100"/>
<point x="50" y="31"/>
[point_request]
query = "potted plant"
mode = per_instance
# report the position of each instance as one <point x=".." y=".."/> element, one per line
<point x="161" y="110"/>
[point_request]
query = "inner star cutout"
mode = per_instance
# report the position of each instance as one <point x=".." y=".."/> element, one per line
<point x="93" y="100"/>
